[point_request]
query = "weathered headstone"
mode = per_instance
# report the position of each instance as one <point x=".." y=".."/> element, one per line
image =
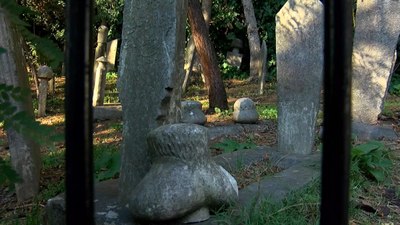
<point x="299" y="57"/>
<point x="150" y="69"/>
<point x="112" y="47"/>
<point x="101" y="47"/>
<point x="234" y="57"/>
<point x="376" y="35"/>
<point x="191" y="113"/>
<point x="244" y="111"/>
<point x="99" y="82"/>
<point x="45" y="74"/>
<point x="183" y="182"/>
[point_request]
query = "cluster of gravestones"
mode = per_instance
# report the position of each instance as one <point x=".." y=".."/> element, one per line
<point x="106" y="53"/>
<point x="299" y="56"/>
<point x="166" y="171"/>
<point x="244" y="112"/>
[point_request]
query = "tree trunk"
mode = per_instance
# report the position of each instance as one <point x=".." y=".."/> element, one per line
<point x="254" y="40"/>
<point x="190" y="56"/>
<point x="25" y="154"/>
<point x="208" y="59"/>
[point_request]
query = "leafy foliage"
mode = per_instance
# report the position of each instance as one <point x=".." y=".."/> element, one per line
<point x="371" y="159"/>
<point x="22" y="121"/>
<point x="268" y="112"/>
<point x="223" y="113"/>
<point x="228" y="72"/>
<point x="110" y="13"/>
<point x="228" y="22"/>
<point x="229" y="145"/>
<point x="45" y="47"/>
<point x="107" y="163"/>
<point x="8" y="176"/>
<point x="394" y="87"/>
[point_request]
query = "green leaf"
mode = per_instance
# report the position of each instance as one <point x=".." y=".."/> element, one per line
<point x="378" y="175"/>
<point x="2" y="50"/>
<point x="368" y="147"/>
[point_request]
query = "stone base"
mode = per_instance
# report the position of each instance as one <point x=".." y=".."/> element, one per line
<point x="365" y="132"/>
<point x="298" y="171"/>
<point x="107" y="112"/>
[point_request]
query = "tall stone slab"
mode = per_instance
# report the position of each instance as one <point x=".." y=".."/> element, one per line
<point x="151" y="69"/>
<point x="376" y="35"/>
<point x="299" y="57"/>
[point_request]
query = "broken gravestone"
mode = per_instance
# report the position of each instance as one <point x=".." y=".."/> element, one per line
<point x="299" y="57"/>
<point x="111" y="54"/>
<point x="375" y="39"/>
<point x="183" y="182"/>
<point x="151" y="69"/>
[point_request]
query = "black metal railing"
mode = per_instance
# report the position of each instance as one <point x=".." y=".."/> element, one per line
<point x="337" y="113"/>
<point x="78" y="114"/>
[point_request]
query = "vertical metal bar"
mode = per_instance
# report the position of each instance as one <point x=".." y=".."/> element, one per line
<point x="337" y="112"/>
<point x="78" y="114"/>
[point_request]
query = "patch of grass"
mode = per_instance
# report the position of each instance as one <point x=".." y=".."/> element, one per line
<point x="299" y="208"/>
<point x="107" y="162"/>
<point x="267" y="112"/>
<point x="369" y="202"/>
<point x="223" y="113"/>
<point x="230" y="145"/>
<point x="391" y="106"/>
<point x="117" y="126"/>
<point x="254" y="172"/>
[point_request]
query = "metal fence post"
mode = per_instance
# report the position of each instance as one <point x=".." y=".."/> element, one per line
<point x="78" y="114"/>
<point x="337" y="112"/>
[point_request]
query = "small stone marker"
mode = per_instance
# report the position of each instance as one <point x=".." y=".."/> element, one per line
<point x="45" y="74"/>
<point x="183" y="182"/>
<point x="299" y="57"/>
<point x="244" y="111"/>
<point x="150" y="78"/>
<point x="375" y="39"/>
<point x="191" y="113"/>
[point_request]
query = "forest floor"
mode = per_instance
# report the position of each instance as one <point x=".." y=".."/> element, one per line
<point x="380" y="203"/>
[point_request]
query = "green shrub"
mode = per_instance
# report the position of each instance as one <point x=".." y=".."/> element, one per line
<point x="267" y="112"/>
<point x="371" y="160"/>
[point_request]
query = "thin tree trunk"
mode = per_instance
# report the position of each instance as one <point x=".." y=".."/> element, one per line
<point x="25" y="154"/>
<point x="254" y="40"/>
<point x="208" y="59"/>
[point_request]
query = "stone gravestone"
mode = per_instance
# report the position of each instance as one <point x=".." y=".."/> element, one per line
<point x="99" y="82"/>
<point x="234" y="58"/>
<point x="111" y="54"/>
<point x="376" y="35"/>
<point x="151" y="69"/>
<point x="299" y="57"/>
<point x="183" y="182"/>
<point x="45" y="74"/>
<point x="245" y="111"/>
<point x="191" y="113"/>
